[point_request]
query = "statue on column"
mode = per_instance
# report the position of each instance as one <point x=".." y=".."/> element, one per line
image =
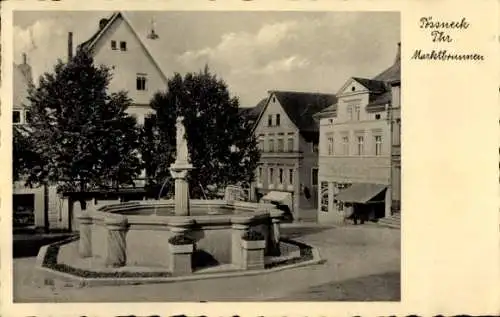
<point x="181" y="142"/>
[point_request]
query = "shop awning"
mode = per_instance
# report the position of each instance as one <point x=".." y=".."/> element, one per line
<point x="360" y="193"/>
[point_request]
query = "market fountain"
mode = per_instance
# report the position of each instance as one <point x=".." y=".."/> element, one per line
<point x="181" y="234"/>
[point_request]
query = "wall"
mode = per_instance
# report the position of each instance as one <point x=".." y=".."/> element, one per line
<point x="19" y="188"/>
<point x="301" y="158"/>
<point x="350" y="167"/>
<point x="127" y="64"/>
<point x="309" y="161"/>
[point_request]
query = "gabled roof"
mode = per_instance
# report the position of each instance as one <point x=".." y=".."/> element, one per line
<point x="374" y="86"/>
<point x="252" y="113"/>
<point x="106" y="24"/>
<point x="300" y="108"/>
<point x="393" y="73"/>
<point x="330" y="111"/>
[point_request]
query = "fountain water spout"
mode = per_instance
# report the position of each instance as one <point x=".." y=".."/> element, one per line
<point x="179" y="170"/>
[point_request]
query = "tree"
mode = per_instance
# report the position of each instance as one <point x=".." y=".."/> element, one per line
<point x="22" y="152"/>
<point x="222" y="147"/>
<point x="83" y="137"/>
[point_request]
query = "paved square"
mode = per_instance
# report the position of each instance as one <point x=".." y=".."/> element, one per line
<point x="347" y="275"/>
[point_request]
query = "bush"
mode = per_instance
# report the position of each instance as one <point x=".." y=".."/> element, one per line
<point x="50" y="261"/>
<point x="252" y="235"/>
<point x="180" y="240"/>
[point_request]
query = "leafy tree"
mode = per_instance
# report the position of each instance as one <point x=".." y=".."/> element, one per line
<point x="222" y="147"/>
<point x="82" y="136"/>
<point x="22" y="152"/>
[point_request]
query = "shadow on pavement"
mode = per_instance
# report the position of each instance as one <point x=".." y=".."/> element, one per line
<point x="380" y="287"/>
<point x="28" y="244"/>
<point x="297" y="232"/>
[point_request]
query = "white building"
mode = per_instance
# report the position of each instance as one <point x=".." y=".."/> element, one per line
<point x="118" y="45"/>
<point x="355" y="149"/>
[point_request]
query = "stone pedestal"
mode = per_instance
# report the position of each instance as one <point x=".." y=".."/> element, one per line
<point x="253" y="254"/>
<point x="85" y="242"/>
<point x="275" y="231"/>
<point x="181" y="226"/>
<point x="239" y="226"/>
<point x="116" y="248"/>
<point x="181" y="258"/>
<point x="179" y="171"/>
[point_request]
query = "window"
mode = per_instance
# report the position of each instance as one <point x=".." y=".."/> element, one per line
<point x="378" y="145"/>
<point x="141" y="81"/>
<point x="27" y="116"/>
<point x="290" y="176"/>
<point x="16" y="116"/>
<point x="271" y="176"/>
<point x="360" y="145"/>
<point x="281" y="176"/>
<point x="349" y="112"/>
<point x="345" y="145"/>
<point x="314" y="177"/>
<point x="261" y="144"/>
<point x="357" y="111"/>
<point x="330" y="144"/>
<point x="290" y="145"/>
<point x="377" y="116"/>
<point x="281" y="145"/>
<point x="271" y="145"/>
<point x="113" y="45"/>
<point x="270" y="120"/>
<point x="277" y="120"/>
<point x="259" y="175"/>
<point x="123" y="46"/>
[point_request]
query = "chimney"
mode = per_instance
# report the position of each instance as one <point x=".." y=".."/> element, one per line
<point x="398" y="54"/>
<point x="25" y="59"/>
<point x="70" y="46"/>
<point x="102" y="23"/>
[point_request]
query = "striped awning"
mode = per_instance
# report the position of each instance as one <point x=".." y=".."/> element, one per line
<point x="360" y="193"/>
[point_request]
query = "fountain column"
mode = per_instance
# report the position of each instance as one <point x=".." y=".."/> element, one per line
<point x="180" y="169"/>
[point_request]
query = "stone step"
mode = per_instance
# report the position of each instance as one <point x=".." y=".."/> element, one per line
<point x="393" y="221"/>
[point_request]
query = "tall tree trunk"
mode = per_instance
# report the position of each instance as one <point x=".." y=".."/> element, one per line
<point x="83" y="202"/>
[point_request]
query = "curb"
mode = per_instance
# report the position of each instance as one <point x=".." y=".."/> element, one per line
<point x="48" y="275"/>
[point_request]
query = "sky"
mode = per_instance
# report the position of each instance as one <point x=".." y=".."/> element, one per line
<point x="253" y="52"/>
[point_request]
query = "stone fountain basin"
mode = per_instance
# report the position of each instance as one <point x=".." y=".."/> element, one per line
<point x="212" y="224"/>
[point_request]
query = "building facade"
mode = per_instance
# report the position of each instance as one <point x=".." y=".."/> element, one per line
<point x="288" y="139"/>
<point x="359" y="169"/>
<point x="120" y="46"/>
<point x="396" y="146"/>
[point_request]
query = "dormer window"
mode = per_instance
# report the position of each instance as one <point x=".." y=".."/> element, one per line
<point x="123" y="46"/>
<point x="113" y="45"/>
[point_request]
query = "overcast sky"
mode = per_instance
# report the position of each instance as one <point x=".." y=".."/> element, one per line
<point x="252" y="51"/>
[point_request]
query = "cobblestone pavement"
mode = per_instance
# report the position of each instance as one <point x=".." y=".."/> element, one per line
<point x="362" y="263"/>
